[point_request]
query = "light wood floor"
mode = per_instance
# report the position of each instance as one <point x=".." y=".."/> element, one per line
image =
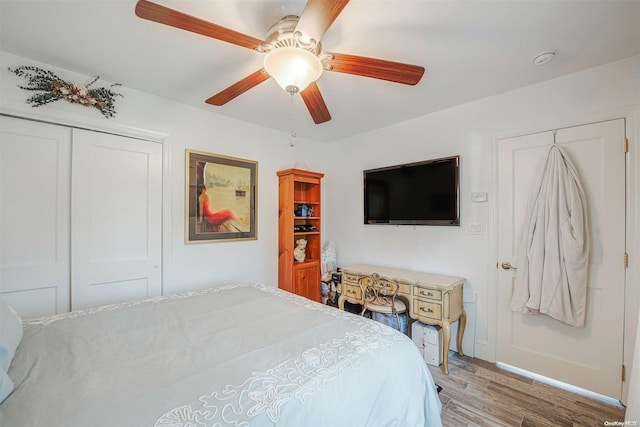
<point x="476" y="392"/>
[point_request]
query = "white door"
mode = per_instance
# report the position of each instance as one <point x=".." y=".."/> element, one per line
<point x="34" y="216"/>
<point x="589" y="357"/>
<point x="116" y="212"/>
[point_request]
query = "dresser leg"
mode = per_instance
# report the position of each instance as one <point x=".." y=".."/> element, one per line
<point x="462" y="323"/>
<point x="341" y="300"/>
<point x="446" y="340"/>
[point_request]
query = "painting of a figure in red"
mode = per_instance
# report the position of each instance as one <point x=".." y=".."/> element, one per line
<point x="221" y="198"/>
<point x="224" y="203"/>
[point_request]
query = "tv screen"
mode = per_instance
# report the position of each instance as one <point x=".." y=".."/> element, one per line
<point x="422" y="193"/>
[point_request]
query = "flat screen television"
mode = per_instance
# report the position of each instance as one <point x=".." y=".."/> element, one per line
<point x="421" y="193"/>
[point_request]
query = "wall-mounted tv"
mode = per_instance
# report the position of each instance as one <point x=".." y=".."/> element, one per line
<point x="421" y="193"/>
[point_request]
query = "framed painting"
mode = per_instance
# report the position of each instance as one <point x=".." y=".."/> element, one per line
<point x="221" y="198"/>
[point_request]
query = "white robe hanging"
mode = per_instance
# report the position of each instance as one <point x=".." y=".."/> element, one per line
<point x="553" y="255"/>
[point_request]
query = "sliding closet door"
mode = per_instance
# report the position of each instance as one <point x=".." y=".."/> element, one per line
<point x="116" y="213"/>
<point x="34" y="216"/>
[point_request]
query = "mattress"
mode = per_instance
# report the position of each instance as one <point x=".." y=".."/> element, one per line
<point x="241" y="355"/>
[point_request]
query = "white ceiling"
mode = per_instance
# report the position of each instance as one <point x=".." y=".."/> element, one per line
<point x="470" y="49"/>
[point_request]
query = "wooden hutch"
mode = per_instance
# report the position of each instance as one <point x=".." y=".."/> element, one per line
<point x="299" y="217"/>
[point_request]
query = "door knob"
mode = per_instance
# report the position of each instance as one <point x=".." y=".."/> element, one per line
<point x="507" y="266"/>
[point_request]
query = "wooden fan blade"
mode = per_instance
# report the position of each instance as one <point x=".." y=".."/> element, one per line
<point x="238" y="88"/>
<point x="317" y="17"/>
<point x="163" y="15"/>
<point x="315" y="104"/>
<point x="375" y="68"/>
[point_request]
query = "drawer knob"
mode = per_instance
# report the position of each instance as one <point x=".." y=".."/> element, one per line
<point x="427" y="310"/>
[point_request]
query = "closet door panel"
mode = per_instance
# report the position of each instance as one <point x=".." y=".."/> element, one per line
<point x="34" y="216"/>
<point x="116" y="216"/>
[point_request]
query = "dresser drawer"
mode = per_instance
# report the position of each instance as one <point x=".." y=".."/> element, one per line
<point x="428" y="310"/>
<point x="350" y="278"/>
<point x="351" y="291"/>
<point x="404" y="288"/>
<point x="433" y="294"/>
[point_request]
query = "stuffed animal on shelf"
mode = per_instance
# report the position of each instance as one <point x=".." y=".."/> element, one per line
<point x="299" y="252"/>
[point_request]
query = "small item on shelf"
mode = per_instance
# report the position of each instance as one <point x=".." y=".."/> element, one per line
<point x="299" y="253"/>
<point x="303" y="210"/>
<point x="310" y="211"/>
<point x="301" y="228"/>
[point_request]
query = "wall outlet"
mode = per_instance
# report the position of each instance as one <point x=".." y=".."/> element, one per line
<point x="475" y="228"/>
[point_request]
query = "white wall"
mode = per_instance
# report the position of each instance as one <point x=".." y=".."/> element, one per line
<point x="471" y="130"/>
<point x="180" y="127"/>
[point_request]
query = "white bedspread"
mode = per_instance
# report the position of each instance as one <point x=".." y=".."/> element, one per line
<point x="228" y="356"/>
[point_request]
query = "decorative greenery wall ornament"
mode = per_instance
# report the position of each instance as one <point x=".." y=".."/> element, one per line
<point x="54" y="88"/>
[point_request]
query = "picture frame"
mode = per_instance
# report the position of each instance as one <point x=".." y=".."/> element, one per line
<point x="221" y="198"/>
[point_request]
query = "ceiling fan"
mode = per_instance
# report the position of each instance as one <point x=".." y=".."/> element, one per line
<point x="293" y="53"/>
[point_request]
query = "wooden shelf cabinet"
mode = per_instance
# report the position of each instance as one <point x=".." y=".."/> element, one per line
<point x="299" y="190"/>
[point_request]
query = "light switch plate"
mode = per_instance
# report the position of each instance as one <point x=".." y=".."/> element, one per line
<point x="475" y="228"/>
<point x="479" y="197"/>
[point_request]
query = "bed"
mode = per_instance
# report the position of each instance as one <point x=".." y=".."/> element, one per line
<point x="241" y="355"/>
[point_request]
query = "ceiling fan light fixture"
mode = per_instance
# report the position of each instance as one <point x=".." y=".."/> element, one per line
<point x="293" y="68"/>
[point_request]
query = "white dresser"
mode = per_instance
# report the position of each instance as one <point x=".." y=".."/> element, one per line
<point x="433" y="299"/>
